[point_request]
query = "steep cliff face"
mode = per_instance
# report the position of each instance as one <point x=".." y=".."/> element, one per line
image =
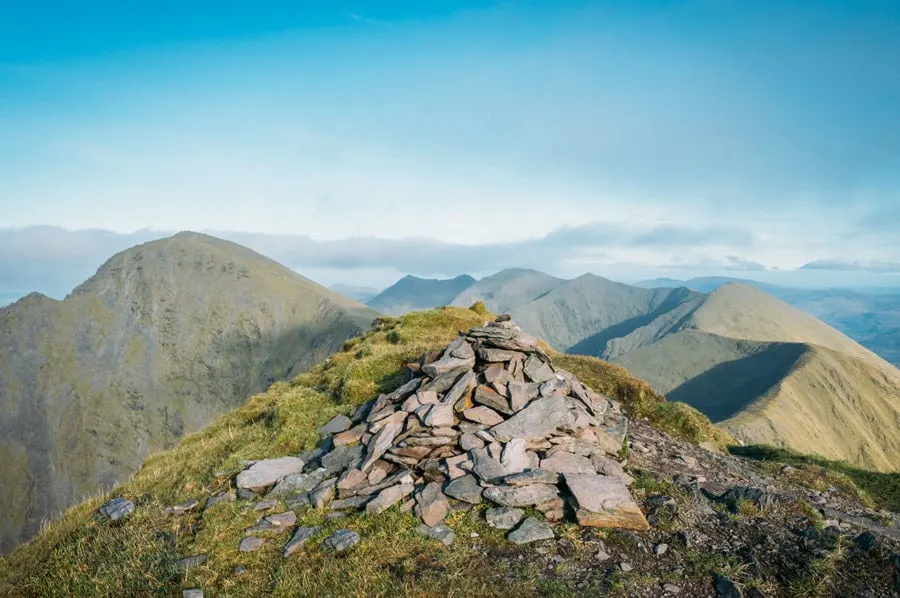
<point x="164" y="337"/>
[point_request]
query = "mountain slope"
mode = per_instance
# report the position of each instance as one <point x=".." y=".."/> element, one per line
<point x="162" y="338"/>
<point x="412" y="293"/>
<point x="361" y="294"/>
<point x="723" y="353"/>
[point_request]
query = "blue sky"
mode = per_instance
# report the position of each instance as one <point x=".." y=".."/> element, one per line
<point x="697" y="136"/>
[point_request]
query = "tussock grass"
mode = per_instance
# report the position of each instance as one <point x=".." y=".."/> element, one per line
<point x="874" y="488"/>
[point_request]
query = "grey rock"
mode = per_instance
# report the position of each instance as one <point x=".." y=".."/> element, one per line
<point x="531" y="530"/>
<point x="563" y="462"/>
<point x="441" y="533"/>
<point x="496" y="355"/>
<point x="117" y="508"/>
<point x="463" y="350"/>
<point x="538" y="420"/>
<point x="626" y="567"/>
<point x="228" y="496"/>
<point x="379" y="444"/>
<point x="438" y="416"/>
<point x="488" y="397"/>
<point x="298" y="483"/>
<point x="320" y="497"/>
<point x="250" y="543"/>
<point x="184" y="507"/>
<point x="264" y="505"/>
<point x="670" y="588"/>
<point x="341" y="540"/>
<point x="533" y="476"/>
<point x="483" y="415"/>
<point x="263" y="474"/>
<point x="192" y="593"/>
<point x="661" y="549"/>
<point x="311" y="457"/>
<point x="297" y="501"/>
<point x="727" y="588"/>
<point x="447" y="365"/>
<point x="537" y="371"/>
<point x="737" y="494"/>
<point x="465" y="488"/>
<point x="282" y="520"/>
<point x="484" y="466"/>
<point x="246" y="494"/>
<point x="300" y="537"/>
<point x="602" y="555"/>
<point x="518" y="395"/>
<point x="515" y="456"/>
<point x="504" y="517"/>
<point x="339" y="423"/>
<point x="469" y="441"/>
<point x="189" y="562"/>
<point x="431" y="504"/>
<point x="867" y="542"/>
<point x="521" y="496"/>
<point x="341" y="458"/>
<point x="459" y="388"/>
<point x="603" y="501"/>
<point x="388" y="498"/>
<point x="354" y="502"/>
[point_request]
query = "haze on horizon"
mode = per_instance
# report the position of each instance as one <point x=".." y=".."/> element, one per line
<point x="364" y="140"/>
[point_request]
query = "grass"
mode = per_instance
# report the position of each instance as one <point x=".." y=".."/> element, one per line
<point x="816" y="581"/>
<point x="873" y="488"/>
<point x="640" y="401"/>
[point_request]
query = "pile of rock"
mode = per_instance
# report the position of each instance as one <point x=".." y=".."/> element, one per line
<point x="486" y="419"/>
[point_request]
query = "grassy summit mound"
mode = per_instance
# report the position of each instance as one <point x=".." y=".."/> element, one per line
<point x="83" y="554"/>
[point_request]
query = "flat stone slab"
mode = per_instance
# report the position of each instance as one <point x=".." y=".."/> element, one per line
<point x="431" y="504"/>
<point x="388" y="498"/>
<point x="532" y="476"/>
<point x="448" y="364"/>
<point x="189" y="562"/>
<point x="521" y="496"/>
<point x="531" y="530"/>
<point x="250" y="543"/>
<point x="563" y="462"/>
<point x="441" y="533"/>
<point x="338" y="424"/>
<point x="465" y="489"/>
<point x="504" y="517"/>
<point x="300" y="537"/>
<point x="263" y="474"/>
<point x="298" y="483"/>
<point x="604" y="501"/>
<point x="117" y="508"/>
<point x="341" y="540"/>
<point x="536" y="421"/>
<point x="483" y="415"/>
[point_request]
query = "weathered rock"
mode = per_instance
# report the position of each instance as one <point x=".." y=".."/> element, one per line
<point x="465" y="489"/>
<point x="283" y="520"/>
<point x="439" y="415"/>
<point x="189" y="562"/>
<point x="431" y="504"/>
<point x="345" y="504"/>
<point x="531" y="530"/>
<point x="380" y="444"/>
<point x="447" y="365"/>
<point x="563" y="462"/>
<point x="298" y="483"/>
<point x="469" y="441"/>
<point x="379" y="471"/>
<point x="320" y="497"/>
<point x="460" y="388"/>
<point x="486" y="396"/>
<point x="521" y="496"/>
<point x="227" y="496"/>
<point x="267" y="472"/>
<point x="184" y="507"/>
<point x="536" y="370"/>
<point x="456" y="466"/>
<point x="117" y="508"/>
<point x="441" y="533"/>
<point x="518" y="395"/>
<point x="603" y="501"/>
<point x="460" y="349"/>
<point x="246" y="494"/>
<point x="339" y="423"/>
<point x="515" y="456"/>
<point x="388" y="498"/>
<point x="611" y="467"/>
<point x="504" y="517"/>
<point x="250" y="543"/>
<point x="300" y="537"/>
<point x="486" y="467"/>
<point x="737" y="494"/>
<point x="192" y="593"/>
<point x="539" y="419"/>
<point x="533" y="476"/>
<point x="297" y="501"/>
<point x="352" y="436"/>
<point x="428" y="441"/>
<point x="351" y="479"/>
<point x="496" y="355"/>
<point x="727" y="588"/>
<point x="483" y="415"/>
<point x="496" y="374"/>
<point x="341" y="540"/>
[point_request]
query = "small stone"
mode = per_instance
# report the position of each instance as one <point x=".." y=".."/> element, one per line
<point x="563" y="462"/>
<point x="283" y="520"/>
<point x="531" y="530"/>
<point x="267" y="472"/>
<point x="661" y="549"/>
<point x="441" y="533"/>
<point x="486" y="467"/>
<point x="439" y="415"/>
<point x="228" y="496"/>
<point x="448" y="364"/>
<point x="192" y="593"/>
<point x="300" y="537"/>
<point x="388" y="498"/>
<point x="515" y="456"/>
<point x="341" y="540"/>
<point x="602" y="555"/>
<point x="184" y="507"/>
<point x="455" y="466"/>
<point x="504" y="517"/>
<point x="518" y="395"/>
<point x="265" y="505"/>
<point x="483" y="415"/>
<point x="432" y="505"/>
<point x="521" y="496"/>
<point x="867" y="542"/>
<point x="353" y="502"/>
<point x="246" y="494"/>
<point x="603" y="501"/>
<point x="117" y="508"/>
<point x="727" y="588"/>
<point x="465" y="488"/>
<point x="536" y="370"/>
<point x="626" y="567"/>
<point x="189" y="562"/>
<point x="298" y="501"/>
<point x="671" y="589"/>
<point x="298" y="483"/>
<point x="341" y="458"/>
<point x="250" y="543"/>
<point x="532" y="476"/>
<point x="380" y="443"/>
<point x="486" y="396"/>
<point x="352" y="436"/>
<point x="352" y="478"/>
<point x="337" y="424"/>
<point x="469" y="441"/>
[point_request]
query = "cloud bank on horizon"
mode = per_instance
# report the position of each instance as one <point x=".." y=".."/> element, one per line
<point x="466" y="136"/>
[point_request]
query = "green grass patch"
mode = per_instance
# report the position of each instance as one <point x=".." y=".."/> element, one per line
<point x="874" y="488"/>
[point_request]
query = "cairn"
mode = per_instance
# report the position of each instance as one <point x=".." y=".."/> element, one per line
<point x="488" y="418"/>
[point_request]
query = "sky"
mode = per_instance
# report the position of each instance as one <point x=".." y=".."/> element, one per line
<point x="360" y="141"/>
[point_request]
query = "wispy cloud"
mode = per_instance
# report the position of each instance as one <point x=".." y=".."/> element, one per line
<point x="853" y="266"/>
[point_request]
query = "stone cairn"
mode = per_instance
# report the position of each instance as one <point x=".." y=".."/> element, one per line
<point x="488" y="418"/>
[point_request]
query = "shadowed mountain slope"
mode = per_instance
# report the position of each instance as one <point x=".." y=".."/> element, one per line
<point x="161" y="339"/>
<point x="412" y="293"/>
